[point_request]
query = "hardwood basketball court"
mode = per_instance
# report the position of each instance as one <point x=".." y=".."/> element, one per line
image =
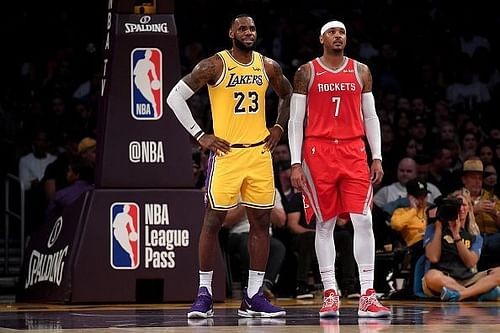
<point x="302" y="316"/>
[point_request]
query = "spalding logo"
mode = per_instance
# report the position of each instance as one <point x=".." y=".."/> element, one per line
<point x="56" y="230"/>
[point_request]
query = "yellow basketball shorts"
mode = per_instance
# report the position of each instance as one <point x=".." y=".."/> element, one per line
<point x="244" y="175"/>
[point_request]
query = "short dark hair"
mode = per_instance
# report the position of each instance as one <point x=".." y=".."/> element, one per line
<point x="83" y="167"/>
<point x="237" y="17"/>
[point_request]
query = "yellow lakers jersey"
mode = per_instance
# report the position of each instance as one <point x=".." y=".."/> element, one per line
<point x="238" y="100"/>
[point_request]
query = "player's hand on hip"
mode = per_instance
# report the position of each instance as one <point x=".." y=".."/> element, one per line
<point x="215" y="144"/>
<point x="376" y="172"/>
<point x="297" y="177"/>
<point x="273" y="138"/>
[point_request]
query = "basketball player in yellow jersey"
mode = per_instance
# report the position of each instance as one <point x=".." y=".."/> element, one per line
<point x="240" y="163"/>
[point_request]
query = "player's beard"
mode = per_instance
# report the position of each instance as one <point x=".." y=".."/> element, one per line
<point x="243" y="46"/>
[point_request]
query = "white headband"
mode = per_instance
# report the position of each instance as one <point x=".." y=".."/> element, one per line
<point x="332" y="24"/>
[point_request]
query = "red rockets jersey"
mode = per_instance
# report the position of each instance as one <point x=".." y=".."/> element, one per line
<point x="334" y="102"/>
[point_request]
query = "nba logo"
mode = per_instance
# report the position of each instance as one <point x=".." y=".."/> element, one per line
<point x="124" y="230"/>
<point x="146" y="83"/>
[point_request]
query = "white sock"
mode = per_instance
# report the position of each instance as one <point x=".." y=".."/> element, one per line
<point x="255" y="280"/>
<point x="328" y="278"/>
<point x="206" y="280"/>
<point x="364" y="249"/>
<point x="366" y="273"/>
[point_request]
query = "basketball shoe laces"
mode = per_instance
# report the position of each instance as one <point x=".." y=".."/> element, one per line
<point x="202" y="300"/>
<point x="365" y="302"/>
<point x="331" y="300"/>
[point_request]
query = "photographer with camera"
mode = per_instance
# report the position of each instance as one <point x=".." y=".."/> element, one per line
<point x="452" y="247"/>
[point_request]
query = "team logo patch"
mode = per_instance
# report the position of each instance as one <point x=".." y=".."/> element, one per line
<point x="125" y="232"/>
<point x="146" y="83"/>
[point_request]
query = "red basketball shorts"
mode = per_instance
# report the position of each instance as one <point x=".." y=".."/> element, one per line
<point x="337" y="178"/>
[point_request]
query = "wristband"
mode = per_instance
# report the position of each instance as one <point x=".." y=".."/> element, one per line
<point x="281" y="127"/>
<point x="198" y="135"/>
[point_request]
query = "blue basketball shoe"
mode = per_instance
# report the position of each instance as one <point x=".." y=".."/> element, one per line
<point x="449" y="295"/>
<point x="259" y="306"/>
<point x="491" y="295"/>
<point x="203" y="306"/>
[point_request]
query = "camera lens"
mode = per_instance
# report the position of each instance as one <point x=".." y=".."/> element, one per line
<point x="448" y="209"/>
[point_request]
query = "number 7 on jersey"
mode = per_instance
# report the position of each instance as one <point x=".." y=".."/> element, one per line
<point x="336" y="102"/>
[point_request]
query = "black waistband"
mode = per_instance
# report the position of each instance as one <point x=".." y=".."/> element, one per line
<point x="248" y="145"/>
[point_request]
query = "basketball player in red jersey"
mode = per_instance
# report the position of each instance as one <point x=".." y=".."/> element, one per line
<point x="332" y="97"/>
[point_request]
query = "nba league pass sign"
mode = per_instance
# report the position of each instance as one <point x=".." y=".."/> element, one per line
<point x="160" y="239"/>
<point x="124" y="230"/>
<point x="146" y="83"/>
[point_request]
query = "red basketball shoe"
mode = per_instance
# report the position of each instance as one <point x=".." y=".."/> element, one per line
<point x="369" y="306"/>
<point x="331" y="304"/>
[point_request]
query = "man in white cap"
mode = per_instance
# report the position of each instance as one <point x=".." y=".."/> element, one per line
<point x="329" y="162"/>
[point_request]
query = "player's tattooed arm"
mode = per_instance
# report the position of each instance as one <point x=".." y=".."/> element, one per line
<point x="366" y="77"/>
<point x="206" y="71"/>
<point x="283" y="89"/>
<point x="301" y="79"/>
<point x="278" y="81"/>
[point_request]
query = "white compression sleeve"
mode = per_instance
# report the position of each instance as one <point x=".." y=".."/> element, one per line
<point x="177" y="98"/>
<point x="364" y="248"/>
<point x="372" y="125"/>
<point x="296" y="127"/>
<point x="324" y="245"/>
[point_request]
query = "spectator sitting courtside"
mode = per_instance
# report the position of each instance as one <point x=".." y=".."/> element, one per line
<point x="486" y="207"/>
<point x="80" y="177"/>
<point x="453" y="248"/>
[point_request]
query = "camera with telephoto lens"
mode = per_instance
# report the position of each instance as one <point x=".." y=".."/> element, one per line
<point x="448" y="209"/>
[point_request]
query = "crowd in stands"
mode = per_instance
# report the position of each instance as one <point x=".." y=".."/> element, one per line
<point x="436" y="74"/>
